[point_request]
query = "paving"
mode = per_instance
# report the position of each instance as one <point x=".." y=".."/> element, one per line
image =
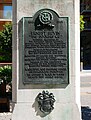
<point x="86" y="94"/>
<point x="85" y="88"/>
<point x="5" y="116"/>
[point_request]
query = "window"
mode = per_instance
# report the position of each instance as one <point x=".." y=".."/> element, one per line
<point x="7" y="12"/>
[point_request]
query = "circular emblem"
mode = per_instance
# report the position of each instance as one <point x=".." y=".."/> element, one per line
<point x="45" y="17"/>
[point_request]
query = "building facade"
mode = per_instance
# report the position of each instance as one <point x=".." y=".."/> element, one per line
<point x="5" y="12"/>
<point x="85" y="9"/>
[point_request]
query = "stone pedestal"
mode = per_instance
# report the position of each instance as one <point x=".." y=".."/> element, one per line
<point x="67" y="95"/>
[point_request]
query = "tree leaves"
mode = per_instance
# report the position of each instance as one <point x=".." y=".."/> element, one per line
<point x="81" y="23"/>
<point x="6" y="74"/>
<point x="6" y="43"/>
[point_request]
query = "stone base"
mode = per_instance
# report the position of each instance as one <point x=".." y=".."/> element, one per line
<point x="29" y="111"/>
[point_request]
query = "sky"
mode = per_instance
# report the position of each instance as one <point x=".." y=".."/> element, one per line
<point x="7" y="12"/>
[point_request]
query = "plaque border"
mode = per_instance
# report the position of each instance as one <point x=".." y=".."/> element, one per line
<point x="22" y="62"/>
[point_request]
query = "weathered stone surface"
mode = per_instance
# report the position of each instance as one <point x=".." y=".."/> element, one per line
<point x="67" y="105"/>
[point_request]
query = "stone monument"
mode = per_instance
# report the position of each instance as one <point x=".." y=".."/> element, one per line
<point x="46" y="64"/>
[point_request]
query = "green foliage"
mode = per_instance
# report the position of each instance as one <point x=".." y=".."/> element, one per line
<point x="81" y="23"/>
<point x="6" y="43"/>
<point x="6" y="74"/>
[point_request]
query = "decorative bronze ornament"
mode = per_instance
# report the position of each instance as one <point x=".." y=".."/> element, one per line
<point x="44" y="21"/>
<point x="45" y="17"/>
<point x="45" y="101"/>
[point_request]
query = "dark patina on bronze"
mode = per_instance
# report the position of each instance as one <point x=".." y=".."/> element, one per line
<point x="44" y="48"/>
<point x="45" y="102"/>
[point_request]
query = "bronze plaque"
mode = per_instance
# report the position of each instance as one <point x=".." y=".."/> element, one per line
<point x="44" y="41"/>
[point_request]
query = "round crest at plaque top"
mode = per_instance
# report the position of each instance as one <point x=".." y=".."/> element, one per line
<point x="45" y="17"/>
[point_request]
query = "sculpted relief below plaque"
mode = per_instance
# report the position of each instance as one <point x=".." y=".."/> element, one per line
<point x="44" y="48"/>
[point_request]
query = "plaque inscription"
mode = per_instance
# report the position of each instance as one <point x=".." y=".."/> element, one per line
<point x="45" y="48"/>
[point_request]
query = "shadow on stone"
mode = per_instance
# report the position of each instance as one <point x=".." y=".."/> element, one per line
<point x="86" y="113"/>
<point x="36" y="107"/>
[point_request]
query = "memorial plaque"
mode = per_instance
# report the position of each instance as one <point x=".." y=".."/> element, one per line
<point x="45" y="48"/>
